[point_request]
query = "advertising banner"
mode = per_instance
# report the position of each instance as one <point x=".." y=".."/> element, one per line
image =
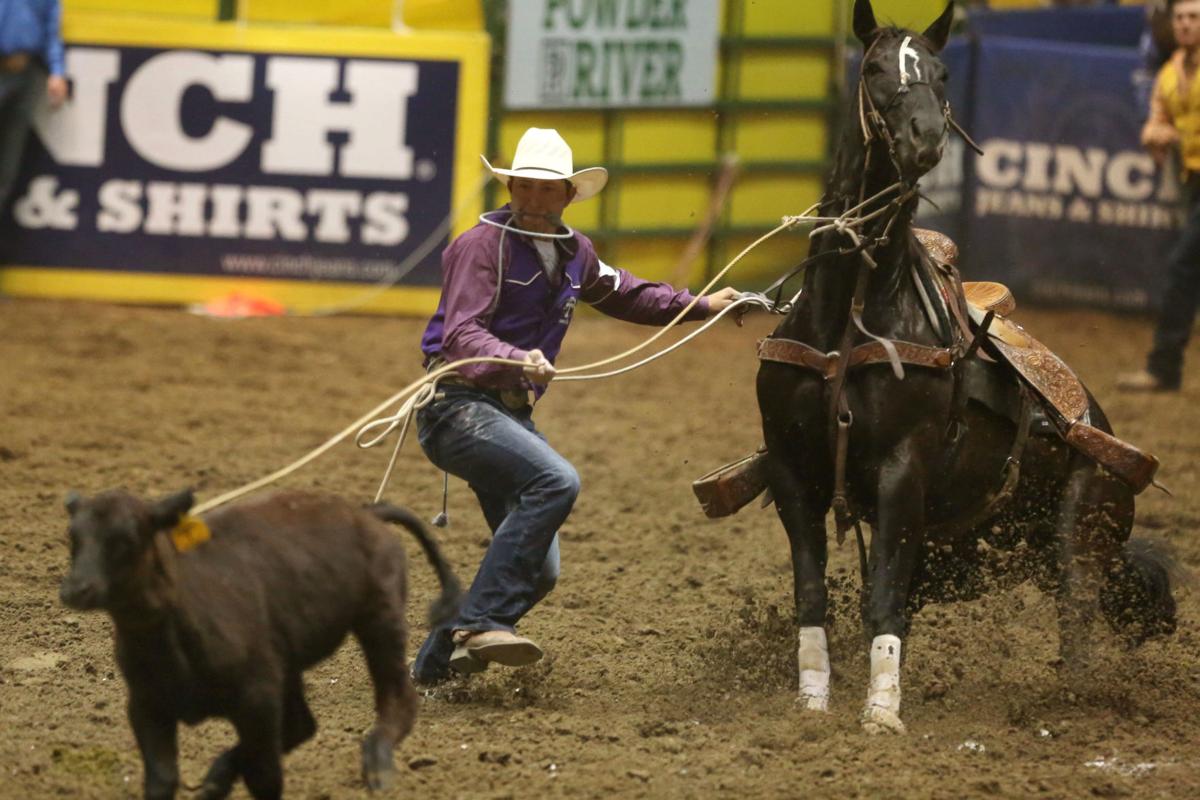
<point x="611" y="53"/>
<point x="214" y="152"/>
<point x="1064" y="204"/>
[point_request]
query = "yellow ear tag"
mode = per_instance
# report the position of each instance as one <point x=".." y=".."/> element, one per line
<point x="189" y="533"/>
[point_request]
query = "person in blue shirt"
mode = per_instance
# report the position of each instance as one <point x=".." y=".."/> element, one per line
<point x="31" y="62"/>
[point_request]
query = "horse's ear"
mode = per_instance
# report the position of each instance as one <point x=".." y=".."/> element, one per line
<point x="939" y="32"/>
<point x="864" y="22"/>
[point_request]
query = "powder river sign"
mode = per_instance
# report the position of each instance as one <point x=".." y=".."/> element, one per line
<point x="611" y="53"/>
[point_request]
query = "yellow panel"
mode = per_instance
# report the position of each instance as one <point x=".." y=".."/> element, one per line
<point x="799" y="136"/>
<point x="657" y="260"/>
<point x="585" y="215"/>
<point x="297" y="296"/>
<point x="657" y="201"/>
<point x="583" y="132"/>
<point x="766" y="262"/>
<point x="668" y="137"/>
<point x="203" y="9"/>
<point x="766" y="199"/>
<point x="443" y="14"/>
<point x="789" y="17"/>
<point x="373" y="13"/>
<point x="914" y="14"/>
<point x="776" y="74"/>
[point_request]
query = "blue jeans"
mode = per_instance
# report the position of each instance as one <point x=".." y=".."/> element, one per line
<point x="1178" y="312"/>
<point x="19" y="93"/>
<point x="526" y="491"/>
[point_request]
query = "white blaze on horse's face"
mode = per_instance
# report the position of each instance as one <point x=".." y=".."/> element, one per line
<point x="906" y="52"/>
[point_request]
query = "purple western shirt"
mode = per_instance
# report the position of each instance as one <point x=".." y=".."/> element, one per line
<point x="498" y="301"/>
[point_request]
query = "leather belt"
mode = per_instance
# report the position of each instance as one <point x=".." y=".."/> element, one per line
<point x="512" y="399"/>
<point x="14" y="62"/>
<point x="800" y="354"/>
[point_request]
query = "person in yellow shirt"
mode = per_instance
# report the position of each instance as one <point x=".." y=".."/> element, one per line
<point x="1174" y="124"/>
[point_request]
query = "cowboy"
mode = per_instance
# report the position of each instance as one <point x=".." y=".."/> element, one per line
<point x="30" y="47"/>
<point x="509" y="289"/>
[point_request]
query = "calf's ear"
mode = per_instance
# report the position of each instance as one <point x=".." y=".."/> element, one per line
<point x="72" y="502"/>
<point x="166" y="512"/>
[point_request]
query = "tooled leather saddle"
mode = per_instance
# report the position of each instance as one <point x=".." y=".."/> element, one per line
<point x="1062" y="396"/>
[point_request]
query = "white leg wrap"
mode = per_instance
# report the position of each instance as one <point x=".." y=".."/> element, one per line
<point x="813" y="657"/>
<point x="882" y="712"/>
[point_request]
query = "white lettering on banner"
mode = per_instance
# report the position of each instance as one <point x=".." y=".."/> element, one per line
<point x="175" y="208"/>
<point x="331" y="118"/>
<point x="44" y="206"/>
<point x="384" y="222"/>
<point x="332" y="207"/>
<point x="274" y="212"/>
<point x="304" y="116"/>
<point x="151" y="104"/>
<point x="1065" y="182"/>
<point x="120" y="211"/>
<point x="224" y="222"/>
<point x="271" y="212"/>
<point x="74" y="133"/>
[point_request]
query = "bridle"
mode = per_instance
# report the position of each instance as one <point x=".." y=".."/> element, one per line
<point x="872" y="121"/>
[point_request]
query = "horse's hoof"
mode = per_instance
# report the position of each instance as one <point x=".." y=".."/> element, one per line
<point x="379" y="780"/>
<point x="876" y="720"/>
<point x="378" y="769"/>
<point x="808" y="702"/>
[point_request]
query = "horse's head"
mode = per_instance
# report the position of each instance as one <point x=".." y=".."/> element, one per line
<point x="902" y="92"/>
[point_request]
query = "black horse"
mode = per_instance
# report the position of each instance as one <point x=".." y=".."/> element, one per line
<point x="886" y="412"/>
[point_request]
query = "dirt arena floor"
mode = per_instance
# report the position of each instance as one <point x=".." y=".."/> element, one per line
<point x="671" y="652"/>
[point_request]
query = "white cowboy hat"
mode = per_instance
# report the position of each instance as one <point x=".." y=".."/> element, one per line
<point x="544" y="155"/>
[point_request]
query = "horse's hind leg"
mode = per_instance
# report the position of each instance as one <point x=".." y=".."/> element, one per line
<point x="382" y="638"/>
<point x="1092" y="522"/>
<point x="802" y="512"/>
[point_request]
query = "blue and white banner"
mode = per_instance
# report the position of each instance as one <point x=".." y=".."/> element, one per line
<point x="238" y="164"/>
<point x="1064" y="204"/>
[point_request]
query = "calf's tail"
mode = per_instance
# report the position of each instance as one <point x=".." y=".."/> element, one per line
<point x="443" y="609"/>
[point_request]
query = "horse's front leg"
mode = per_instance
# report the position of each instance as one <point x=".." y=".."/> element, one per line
<point x="802" y="510"/>
<point x="895" y="550"/>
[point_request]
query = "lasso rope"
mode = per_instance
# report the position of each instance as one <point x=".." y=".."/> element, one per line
<point x="421" y="392"/>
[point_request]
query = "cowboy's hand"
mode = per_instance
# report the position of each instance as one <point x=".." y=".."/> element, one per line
<point x="1158" y="138"/>
<point x="538" y="368"/>
<point x="56" y="90"/>
<point x="719" y="301"/>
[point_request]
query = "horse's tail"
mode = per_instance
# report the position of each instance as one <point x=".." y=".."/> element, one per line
<point x="1137" y="598"/>
<point x="443" y="609"/>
